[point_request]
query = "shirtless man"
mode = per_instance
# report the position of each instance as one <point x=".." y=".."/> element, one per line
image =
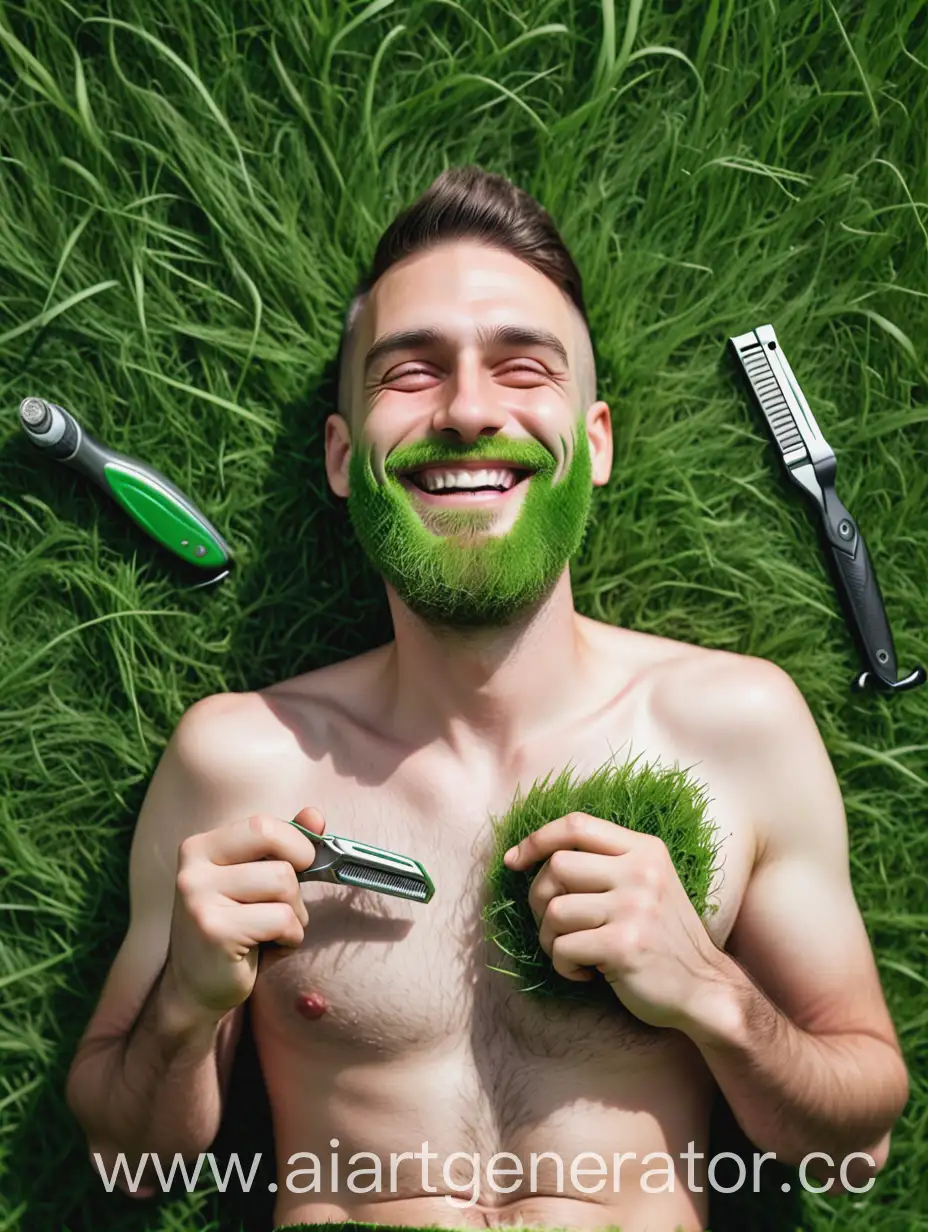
<point x="379" y="1026"/>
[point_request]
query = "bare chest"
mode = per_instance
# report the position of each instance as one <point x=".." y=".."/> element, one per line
<point x="399" y="978"/>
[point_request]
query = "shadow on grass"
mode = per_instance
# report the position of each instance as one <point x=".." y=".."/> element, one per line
<point x="310" y="558"/>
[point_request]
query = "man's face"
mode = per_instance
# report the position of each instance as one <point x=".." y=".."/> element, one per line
<point x="505" y="411"/>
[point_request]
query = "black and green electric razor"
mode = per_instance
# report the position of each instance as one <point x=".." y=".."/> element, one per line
<point x="150" y="499"/>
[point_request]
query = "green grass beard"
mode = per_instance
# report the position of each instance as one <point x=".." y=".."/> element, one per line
<point x="442" y="562"/>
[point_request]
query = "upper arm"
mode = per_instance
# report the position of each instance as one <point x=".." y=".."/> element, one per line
<point x="799" y="932"/>
<point x="196" y="786"/>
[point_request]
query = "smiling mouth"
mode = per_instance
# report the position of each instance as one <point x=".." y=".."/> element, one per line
<point x="483" y="495"/>
<point x="414" y="479"/>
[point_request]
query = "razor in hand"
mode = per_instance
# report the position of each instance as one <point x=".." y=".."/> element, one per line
<point x="810" y="463"/>
<point x="345" y="862"/>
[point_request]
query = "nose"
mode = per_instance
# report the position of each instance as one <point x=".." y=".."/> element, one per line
<point x="471" y="409"/>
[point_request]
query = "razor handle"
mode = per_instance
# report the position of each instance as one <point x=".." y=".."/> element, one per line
<point x="150" y="499"/>
<point x="856" y="584"/>
<point x="854" y="576"/>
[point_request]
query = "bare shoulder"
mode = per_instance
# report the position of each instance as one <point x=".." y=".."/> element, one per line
<point x="724" y="695"/>
<point x="690" y="681"/>
<point x="750" y="720"/>
<point x="229" y="732"/>
<point x="213" y="717"/>
<point x="230" y="756"/>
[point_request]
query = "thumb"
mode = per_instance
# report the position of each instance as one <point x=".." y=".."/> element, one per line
<point x="311" y="819"/>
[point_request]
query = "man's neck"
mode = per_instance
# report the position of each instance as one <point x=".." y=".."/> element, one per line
<point x="482" y="693"/>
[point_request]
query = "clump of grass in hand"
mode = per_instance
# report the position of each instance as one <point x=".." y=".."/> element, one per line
<point x="664" y="802"/>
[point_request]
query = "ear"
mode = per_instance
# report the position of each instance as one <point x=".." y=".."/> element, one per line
<point x="599" y="434"/>
<point x="337" y="453"/>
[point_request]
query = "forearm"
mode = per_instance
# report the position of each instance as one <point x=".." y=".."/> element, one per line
<point x="157" y="1090"/>
<point x="793" y="1092"/>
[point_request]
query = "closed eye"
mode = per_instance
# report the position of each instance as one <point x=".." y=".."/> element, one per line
<point x="395" y="376"/>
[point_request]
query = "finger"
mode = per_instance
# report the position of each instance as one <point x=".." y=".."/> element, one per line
<point x="255" y="838"/>
<point x="263" y="881"/>
<point x="262" y="922"/>
<point x="572" y="872"/>
<point x="577" y="831"/>
<point x="574" y="955"/>
<point x="311" y="818"/>
<point x="571" y="913"/>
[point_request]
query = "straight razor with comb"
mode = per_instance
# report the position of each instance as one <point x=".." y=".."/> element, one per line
<point x="346" y="862"/>
<point x="810" y="463"/>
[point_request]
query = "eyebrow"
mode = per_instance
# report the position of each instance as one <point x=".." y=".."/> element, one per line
<point x="505" y="335"/>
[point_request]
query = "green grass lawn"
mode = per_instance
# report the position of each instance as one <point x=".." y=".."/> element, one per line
<point x="187" y="194"/>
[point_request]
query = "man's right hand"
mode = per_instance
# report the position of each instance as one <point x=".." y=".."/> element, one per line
<point x="236" y="887"/>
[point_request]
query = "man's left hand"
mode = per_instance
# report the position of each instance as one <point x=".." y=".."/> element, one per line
<point x="609" y="898"/>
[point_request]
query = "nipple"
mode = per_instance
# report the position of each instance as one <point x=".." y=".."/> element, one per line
<point x="312" y="1005"/>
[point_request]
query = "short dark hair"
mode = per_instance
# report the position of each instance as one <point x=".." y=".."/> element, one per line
<point x="466" y="202"/>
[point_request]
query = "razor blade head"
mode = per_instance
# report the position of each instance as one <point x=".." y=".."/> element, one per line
<point x="789" y="419"/>
<point x="419" y="889"/>
<point x="375" y="868"/>
<point x="343" y="861"/>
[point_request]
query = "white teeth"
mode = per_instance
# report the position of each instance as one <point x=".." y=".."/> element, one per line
<point x="438" y="481"/>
